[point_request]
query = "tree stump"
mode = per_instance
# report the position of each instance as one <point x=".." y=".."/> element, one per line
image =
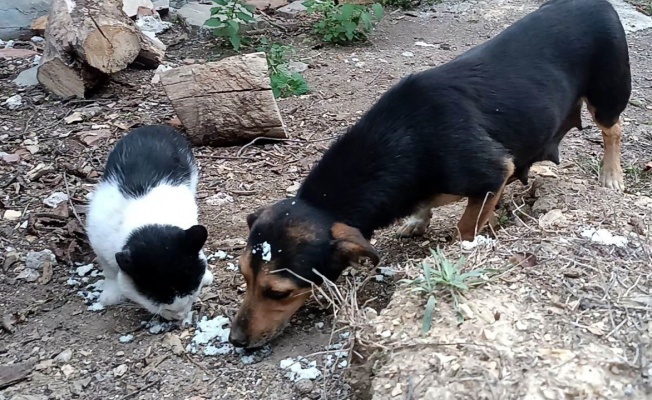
<point x="87" y="39"/>
<point x="225" y="102"/>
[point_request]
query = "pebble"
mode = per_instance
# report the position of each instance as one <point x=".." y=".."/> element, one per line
<point x="36" y="259"/>
<point x="14" y="102"/>
<point x="55" y="199"/>
<point x="304" y="386"/>
<point x="12" y="215"/>
<point x="407" y="54"/>
<point x="64" y="357"/>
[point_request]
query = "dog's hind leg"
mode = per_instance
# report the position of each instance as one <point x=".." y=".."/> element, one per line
<point x="606" y="98"/>
<point x="479" y="209"/>
<point x="611" y="173"/>
<point x="417" y="223"/>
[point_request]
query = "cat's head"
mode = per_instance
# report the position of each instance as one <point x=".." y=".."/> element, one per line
<point x="163" y="268"/>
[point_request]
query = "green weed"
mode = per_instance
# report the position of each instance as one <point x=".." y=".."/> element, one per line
<point x="227" y="19"/>
<point x="284" y="82"/>
<point x="442" y="277"/>
<point x="344" y="23"/>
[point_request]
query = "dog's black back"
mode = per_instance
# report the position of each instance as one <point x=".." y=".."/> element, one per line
<point x="446" y="130"/>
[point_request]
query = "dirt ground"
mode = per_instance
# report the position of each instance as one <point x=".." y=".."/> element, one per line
<point x="574" y="326"/>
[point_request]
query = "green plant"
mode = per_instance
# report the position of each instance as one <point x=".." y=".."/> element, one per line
<point x="344" y="23"/>
<point x="284" y="82"/>
<point x="441" y="276"/>
<point x="227" y="19"/>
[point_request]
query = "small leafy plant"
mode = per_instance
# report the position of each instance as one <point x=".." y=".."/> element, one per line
<point x="344" y="23"/>
<point x="227" y="19"/>
<point x="442" y="276"/>
<point x="284" y="82"/>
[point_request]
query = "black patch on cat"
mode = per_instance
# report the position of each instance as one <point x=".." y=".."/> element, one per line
<point x="163" y="261"/>
<point x="148" y="156"/>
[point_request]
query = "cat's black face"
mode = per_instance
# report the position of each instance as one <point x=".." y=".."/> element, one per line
<point x="163" y="269"/>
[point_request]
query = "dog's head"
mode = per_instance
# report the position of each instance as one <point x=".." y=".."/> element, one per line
<point x="287" y="242"/>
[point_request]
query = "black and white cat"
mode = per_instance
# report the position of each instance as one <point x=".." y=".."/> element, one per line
<point x="142" y="223"/>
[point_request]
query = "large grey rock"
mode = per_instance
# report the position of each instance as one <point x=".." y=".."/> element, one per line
<point x="17" y="15"/>
<point x="292" y="10"/>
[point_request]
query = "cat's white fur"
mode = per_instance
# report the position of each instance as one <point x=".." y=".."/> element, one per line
<point x="112" y="217"/>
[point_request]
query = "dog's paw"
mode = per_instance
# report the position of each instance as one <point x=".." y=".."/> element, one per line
<point x="612" y="179"/>
<point x="412" y="227"/>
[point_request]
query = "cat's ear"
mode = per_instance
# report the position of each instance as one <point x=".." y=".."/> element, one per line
<point x="124" y="261"/>
<point x="196" y="237"/>
<point x="251" y="218"/>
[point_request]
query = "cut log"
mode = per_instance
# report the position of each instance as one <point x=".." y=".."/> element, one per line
<point x="88" y="39"/>
<point x="225" y="102"/>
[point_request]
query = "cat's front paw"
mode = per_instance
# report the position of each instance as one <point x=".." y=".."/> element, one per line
<point x="208" y="278"/>
<point x="110" y="295"/>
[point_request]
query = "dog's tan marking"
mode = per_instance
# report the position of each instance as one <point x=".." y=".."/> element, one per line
<point x="479" y="210"/>
<point x="351" y="245"/>
<point x="245" y="266"/>
<point x="611" y="174"/>
<point x="267" y="317"/>
<point x="417" y="223"/>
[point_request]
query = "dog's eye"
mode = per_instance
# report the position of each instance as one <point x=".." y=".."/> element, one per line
<point x="274" y="295"/>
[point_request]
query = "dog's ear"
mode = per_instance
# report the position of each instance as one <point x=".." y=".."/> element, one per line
<point x="351" y="246"/>
<point x="251" y="218"/>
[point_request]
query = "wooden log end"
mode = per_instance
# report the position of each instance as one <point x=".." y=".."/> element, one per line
<point x="66" y="81"/>
<point x="111" y="48"/>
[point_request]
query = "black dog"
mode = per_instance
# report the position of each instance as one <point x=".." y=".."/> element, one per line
<point x="464" y="129"/>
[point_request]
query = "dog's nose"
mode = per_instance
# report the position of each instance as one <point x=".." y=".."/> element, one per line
<point x="238" y="338"/>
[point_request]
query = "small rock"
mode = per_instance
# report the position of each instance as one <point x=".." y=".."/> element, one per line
<point x="64" y="357"/>
<point x="37" y="39"/>
<point x="304" y="386"/>
<point x="14" y="102"/>
<point x="423" y="44"/>
<point x="407" y="54"/>
<point x="9" y="158"/>
<point x="55" y="199"/>
<point x="297" y="66"/>
<point x="152" y="23"/>
<point x="219" y="199"/>
<point x="174" y="343"/>
<point x="544" y="204"/>
<point x="126" y="338"/>
<point x="27" y="77"/>
<point x="43" y="365"/>
<point x="67" y="370"/>
<point x="29" y="275"/>
<point x="12" y="215"/>
<point x="120" y="370"/>
<point x="292" y="190"/>
<point x="74" y="117"/>
<point x="36" y="259"/>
